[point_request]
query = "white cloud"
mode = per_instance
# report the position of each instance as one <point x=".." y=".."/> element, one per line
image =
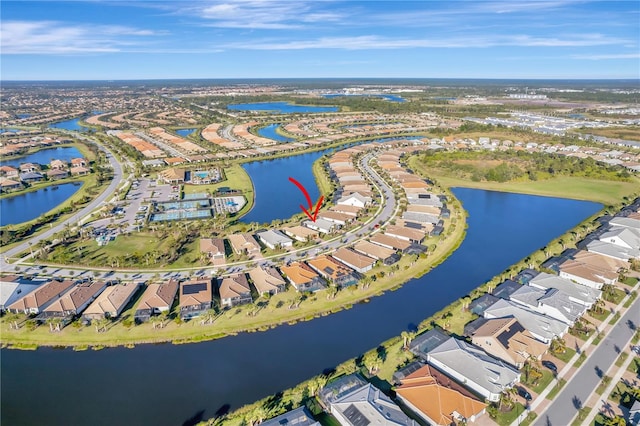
<point x="374" y="42"/>
<point x="53" y="38"/>
<point x="608" y="56"/>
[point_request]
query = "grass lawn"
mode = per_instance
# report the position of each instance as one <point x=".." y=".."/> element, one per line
<point x="508" y="417"/>
<point x="599" y="420"/>
<point x="616" y="297"/>
<point x="581" y="416"/>
<point x="556" y="388"/>
<point x="323" y="181"/>
<point x="632" y="297"/>
<point x="603" y="384"/>
<point x="617" y="393"/>
<point x="603" y="191"/>
<point x="529" y="419"/>
<point x="566" y="356"/>
<point x="630" y="281"/>
<point x="621" y="359"/>
<point x="547" y="377"/>
<point x="634" y="366"/>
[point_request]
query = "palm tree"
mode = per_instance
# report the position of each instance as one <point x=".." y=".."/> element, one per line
<point x="615" y="421"/>
<point x="506" y="398"/>
<point x="466" y="301"/>
<point x="558" y="346"/>
<point x="12" y="319"/>
<point x="405" y="337"/>
<point x="371" y="360"/>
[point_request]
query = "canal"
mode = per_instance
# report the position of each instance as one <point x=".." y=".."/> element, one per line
<point x="171" y="384"/>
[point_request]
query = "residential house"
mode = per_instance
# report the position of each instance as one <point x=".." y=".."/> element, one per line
<point x="613" y="250"/>
<point x="592" y="269"/>
<point x="267" y="279"/>
<point x="333" y="271"/>
<point x="74" y="301"/>
<point x="29" y="168"/>
<point x="357" y="261"/>
<point x="195" y="297"/>
<point x="542" y="327"/>
<point x="390" y="242"/>
<point x="55" y="174"/>
<point x="157" y="298"/>
<point x="352" y="211"/>
<point x="214" y="249"/>
<point x="78" y="162"/>
<point x="9" y="184"/>
<point x="28" y="177"/>
<point x="301" y="233"/>
<point x="57" y="165"/>
<point x="385" y="255"/>
<point x="9" y="172"/>
<point x="14" y="287"/>
<point x="112" y="301"/>
<point x="339" y="219"/>
<point x="234" y="290"/>
<point x="551" y="302"/>
<point x="508" y="340"/>
<point x="628" y="238"/>
<point x="584" y="295"/>
<point x="298" y="417"/>
<point x="79" y="171"/>
<point x="355" y="199"/>
<point x="244" y="244"/>
<point x="437" y="399"/>
<point x="404" y="233"/>
<point x="354" y="402"/>
<point x="477" y="370"/>
<point x="39" y="299"/>
<point x="274" y="239"/>
<point x="618" y="221"/>
<point x="320" y="225"/>
<point x="302" y="277"/>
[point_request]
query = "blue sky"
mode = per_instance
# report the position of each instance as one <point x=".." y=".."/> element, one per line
<point x="76" y="40"/>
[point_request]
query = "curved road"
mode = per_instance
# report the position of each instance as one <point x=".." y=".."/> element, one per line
<point x="117" y="178"/>
<point x="387" y="210"/>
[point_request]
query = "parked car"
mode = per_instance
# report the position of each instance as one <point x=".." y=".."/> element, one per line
<point x="523" y="393"/>
<point x="551" y="366"/>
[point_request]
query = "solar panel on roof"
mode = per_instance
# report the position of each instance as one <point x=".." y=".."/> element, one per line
<point x="194" y="288"/>
<point x="328" y="270"/>
<point x="355" y="416"/>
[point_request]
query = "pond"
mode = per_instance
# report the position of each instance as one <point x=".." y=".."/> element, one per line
<point x="392" y="98"/>
<point x="172" y="384"/>
<point x="281" y="107"/>
<point x="271" y="132"/>
<point x="29" y="205"/>
<point x="73" y="124"/>
<point x="44" y="156"/>
<point x="185" y="132"/>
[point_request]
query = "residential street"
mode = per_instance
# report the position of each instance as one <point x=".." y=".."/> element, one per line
<point x="115" y="182"/>
<point x="576" y="392"/>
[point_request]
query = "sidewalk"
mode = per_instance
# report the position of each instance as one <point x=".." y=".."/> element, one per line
<point x="606" y="328"/>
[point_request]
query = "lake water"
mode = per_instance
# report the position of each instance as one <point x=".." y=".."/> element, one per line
<point x="44" y="156"/>
<point x="169" y="384"/>
<point x="72" y="124"/>
<point x="185" y="132"/>
<point x="392" y="98"/>
<point x="270" y="132"/>
<point x="275" y="196"/>
<point x="24" y="207"/>
<point x="281" y="107"/>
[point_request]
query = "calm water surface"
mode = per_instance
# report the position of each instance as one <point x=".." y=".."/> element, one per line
<point x="44" y="156"/>
<point x="30" y="205"/>
<point x="393" y="98"/>
<point x="170" y="384"/>
<point x="185" y="132"/>
<point x="72" y="124"/>
<point x="281" y="107"/>
<point x="270" y="132"/>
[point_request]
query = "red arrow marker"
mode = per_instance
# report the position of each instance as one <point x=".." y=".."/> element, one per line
<point x="306" y="194"/>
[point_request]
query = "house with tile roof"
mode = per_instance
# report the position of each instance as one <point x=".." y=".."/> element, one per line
<point x="41" y="298"/>
<point x="334" y="271"/>
<point x="214" y="249"/>
<point x="234" y="290"/>
<point x="508" y="340"/>
<point x="302" y="277"/>
<point x="157" y="298"/>
<point x="244" y="244"/>
<point x="195" y="297"/>
<point x="267" y="279"/>
<point x="112" y="301"/>
<point x="477" y="370"/>
<point x="438" y="399"/>
<point x="74" y="301"/>
<point x="357" y="261"/>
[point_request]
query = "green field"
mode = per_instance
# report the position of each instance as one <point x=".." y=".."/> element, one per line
<point x="578" y="188"/>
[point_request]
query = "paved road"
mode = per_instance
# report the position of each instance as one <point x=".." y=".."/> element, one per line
<point x="575" y="393"/>
<point x="117" y="177"/>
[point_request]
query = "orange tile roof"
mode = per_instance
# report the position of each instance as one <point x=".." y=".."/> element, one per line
<point x="437" y="396"/>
